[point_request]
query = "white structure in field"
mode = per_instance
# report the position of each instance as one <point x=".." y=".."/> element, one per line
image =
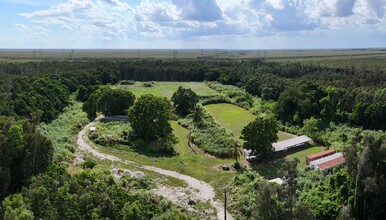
<point x="290" y="143"/>
<point x="276" y="180"/>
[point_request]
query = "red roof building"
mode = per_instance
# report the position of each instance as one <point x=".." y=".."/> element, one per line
<point x="316" y="156"/>
<point x="327" y="166"/>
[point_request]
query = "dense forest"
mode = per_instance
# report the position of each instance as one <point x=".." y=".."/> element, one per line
<point x="333" y="105"/>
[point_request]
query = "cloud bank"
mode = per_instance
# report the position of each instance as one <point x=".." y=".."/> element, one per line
<point x="189" y="20"/>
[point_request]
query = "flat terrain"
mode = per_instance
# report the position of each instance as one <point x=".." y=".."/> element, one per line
<point x="167" y="89"/>
<point x="69" y="54"/>
<point x="235" y="118"/>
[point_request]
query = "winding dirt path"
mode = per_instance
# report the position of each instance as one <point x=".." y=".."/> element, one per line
<point x="202" y="190"/>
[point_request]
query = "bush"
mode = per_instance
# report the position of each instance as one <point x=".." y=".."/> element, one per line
<point x="206" y="100"/>
<point x="89" y="163"/>
<point x="127" y="82"/>
<point x="147" y="84"/>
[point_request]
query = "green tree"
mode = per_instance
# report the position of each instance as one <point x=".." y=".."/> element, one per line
<point x="115" y="101"/>
<point x="184" y="100"/>
<point x="268" y="205"/>
<point x="252" y="86"/>
<point x="311" y="127"/>
<point x="24" y="152"/>
<point x="16" y="208"/>
<point x="90" y="106"/>
<point x="259" y="135"/>
<point x="370" y="180"/>
<point x="149" y="117"/>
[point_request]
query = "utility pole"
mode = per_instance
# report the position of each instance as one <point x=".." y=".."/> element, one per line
<point x="225" y="204"/>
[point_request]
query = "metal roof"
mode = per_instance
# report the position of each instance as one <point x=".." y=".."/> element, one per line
<point x="331" y="163"/>
<point x="321" y="154"/>
<point x="315" y="163"/>
<point x="293" y="142"/>
<point x="276" y="180"/>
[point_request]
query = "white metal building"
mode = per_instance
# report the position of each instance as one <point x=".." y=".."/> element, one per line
<point x="290" y="143"/>
<point x="314" y="164"/>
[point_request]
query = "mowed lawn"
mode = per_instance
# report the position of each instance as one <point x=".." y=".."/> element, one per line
<point x="272" y="168"/>
<point x="235" y="118"/>
<point x="167" y="89"/>
<point x="301" y="155"/>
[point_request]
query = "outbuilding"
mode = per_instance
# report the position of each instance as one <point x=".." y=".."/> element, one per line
<point x="291" y="143"/>
<point x="276" y="180"/>
<point x="328" y="166"/>
<point x="319" y="155"/>
<point x="315" y="165"/>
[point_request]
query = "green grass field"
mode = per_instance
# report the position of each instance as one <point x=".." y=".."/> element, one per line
<point x="235" y="118"/>
<point x="230" y="116"/>
<point x="167" y="88"/>
<point x="301" y="155"/>
<point x="271" y="169"/>
<point x="189" y="162"/>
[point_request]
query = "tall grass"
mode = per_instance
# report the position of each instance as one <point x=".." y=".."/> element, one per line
<point x="62" y="131"/>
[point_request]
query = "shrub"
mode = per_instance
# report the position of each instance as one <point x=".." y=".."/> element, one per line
<point x="89" y="163"/>
<point x="229" y="94"/>
<point x="147" y="84"/>
<point x="127" y="82"/>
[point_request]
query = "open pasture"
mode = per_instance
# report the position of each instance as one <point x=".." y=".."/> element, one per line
<point x="235" y="118"/>
<point x="167" y="89"/>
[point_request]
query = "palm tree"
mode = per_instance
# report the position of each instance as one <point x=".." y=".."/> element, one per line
<point x="237" y="151"/>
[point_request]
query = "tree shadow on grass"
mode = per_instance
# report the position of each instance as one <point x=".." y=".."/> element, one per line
<point x="290" y="151"/>
<point x="156" y="148"/>
<point x="269" y="169"/>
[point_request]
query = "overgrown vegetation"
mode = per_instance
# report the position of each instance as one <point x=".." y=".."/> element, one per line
<point x="89" y="194"/>
<point x="230" y="94"/>
<point x="207" y="134"/>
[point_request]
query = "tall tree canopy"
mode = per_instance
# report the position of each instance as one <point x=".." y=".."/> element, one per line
<point x="23" y="152"/>
<point x="184" y="100"/>
<point x="259" y="135"/>
<point x="149" y="117"/>
<point x="108" y="101"/>
<point x="115" y="101"/>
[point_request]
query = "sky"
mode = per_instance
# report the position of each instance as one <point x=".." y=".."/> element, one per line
<point x="193" y="24"/>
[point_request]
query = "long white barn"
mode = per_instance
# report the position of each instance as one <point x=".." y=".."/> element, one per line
<point x="290" y="143"/>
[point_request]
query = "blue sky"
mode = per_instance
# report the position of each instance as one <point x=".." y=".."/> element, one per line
<point x="189" y="24"/>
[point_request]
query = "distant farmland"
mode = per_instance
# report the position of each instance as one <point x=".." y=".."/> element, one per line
<point x="44" y="54"/>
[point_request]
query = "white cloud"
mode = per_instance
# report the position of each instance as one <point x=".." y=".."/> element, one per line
<point x="198" y="10"/>
<point x="118" y="20"/>
<point x="276" y="4"/>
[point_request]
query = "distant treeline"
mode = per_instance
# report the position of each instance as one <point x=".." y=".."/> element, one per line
<point x="302" y="90"/>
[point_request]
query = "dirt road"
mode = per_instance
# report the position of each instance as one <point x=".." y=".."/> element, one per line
<point x="202" y="190"/>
